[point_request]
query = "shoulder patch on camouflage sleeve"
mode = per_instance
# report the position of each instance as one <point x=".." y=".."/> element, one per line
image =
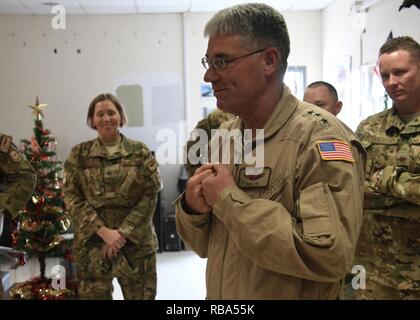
<point x="335" y="150"/>
<point x="153" y="167"/>
<point x="15" y="156"/>
<point x="5" y="142"/>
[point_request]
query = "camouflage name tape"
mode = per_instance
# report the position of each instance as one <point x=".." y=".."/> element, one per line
<point x="90" y="163"/>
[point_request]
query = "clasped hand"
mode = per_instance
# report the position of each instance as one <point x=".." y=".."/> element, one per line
<point x="206" y="185"/>
<point x="114" y="242"/>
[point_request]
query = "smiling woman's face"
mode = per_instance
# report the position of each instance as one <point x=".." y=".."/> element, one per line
<point x="106" y="120"/>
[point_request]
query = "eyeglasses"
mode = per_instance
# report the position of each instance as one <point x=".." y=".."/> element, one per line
<point x="220" y="63"/>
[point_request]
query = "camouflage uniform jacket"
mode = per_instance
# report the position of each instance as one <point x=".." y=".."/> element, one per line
<point x="19" y="174"/>
<point x="389" y="241"/>
<point x="291" y="231"/>
<point x="212" y="121"/>
<point x="117" y="191"/>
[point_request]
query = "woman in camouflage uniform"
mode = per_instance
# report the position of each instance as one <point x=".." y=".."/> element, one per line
<point x="111" y="192"/>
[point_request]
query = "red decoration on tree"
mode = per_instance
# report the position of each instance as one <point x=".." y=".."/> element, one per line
<point x="21" y="259"/>
<point x="14" y="239"/>
<point x="69" y="255"/>
<point x="36" y="149"/>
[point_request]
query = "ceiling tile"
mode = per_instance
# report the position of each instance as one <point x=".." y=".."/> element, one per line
<point x="75" y="11"/>
<point x="310" y="5"/>
<point x="107" y="3"/>
<point x="110" y="10"/>
<point x="167" y="9"/>
<point x="38" y="3"/>
<point x="10" y="4"/>
<point x="149" y="6"/>
<point x="160" y="3"/>
<point x="47" y="10"/>
<point x="212" y="6"/>
<point x="163" y="6"/>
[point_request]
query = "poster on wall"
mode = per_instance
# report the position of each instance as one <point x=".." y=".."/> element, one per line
<point x="373" y="95"/>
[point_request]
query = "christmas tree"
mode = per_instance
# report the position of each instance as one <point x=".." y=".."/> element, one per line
<point x="44" y="219"/>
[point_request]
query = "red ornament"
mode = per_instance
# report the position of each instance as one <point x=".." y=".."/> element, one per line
<point x="21" y="259"/>
<point x="69" y="255"/>
<point x="14" y="238"/>
<point x="36" y="149"/>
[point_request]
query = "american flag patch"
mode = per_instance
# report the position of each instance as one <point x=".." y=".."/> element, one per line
<point x="335" y="150"/>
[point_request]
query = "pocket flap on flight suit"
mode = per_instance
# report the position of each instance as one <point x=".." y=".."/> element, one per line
<point x="314" y="211"/>
<point x="237" y="195"/>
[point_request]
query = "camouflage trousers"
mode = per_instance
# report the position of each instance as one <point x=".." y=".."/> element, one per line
<point x="135" y="274"/>
<point x="389" y="250"/>
<point x="377" y="291"/>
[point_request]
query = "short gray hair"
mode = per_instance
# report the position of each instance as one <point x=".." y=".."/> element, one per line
<point x="259" y="25"/>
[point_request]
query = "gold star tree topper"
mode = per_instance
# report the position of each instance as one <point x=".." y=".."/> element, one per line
<point x="37" y="109"/>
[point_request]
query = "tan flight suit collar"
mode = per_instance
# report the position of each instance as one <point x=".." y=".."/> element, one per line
<point x="282" y="112"/>
<point x="99" y="150"/>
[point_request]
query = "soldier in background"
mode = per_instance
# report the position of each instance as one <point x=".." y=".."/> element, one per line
<point x="19" y="179"/>
<point x="389" y="245"/>
<point x="323" y="95"/>
<point x="212" y="121"/>
<point x="111" y="191"/>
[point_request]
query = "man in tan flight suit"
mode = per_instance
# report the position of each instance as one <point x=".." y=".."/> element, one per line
<point x="287" y="229"/>
<point x="20" y="181"/>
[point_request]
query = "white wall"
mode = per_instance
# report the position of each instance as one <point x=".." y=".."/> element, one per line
<point x="305" y="42"/>
<point x="340" y="40"/>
